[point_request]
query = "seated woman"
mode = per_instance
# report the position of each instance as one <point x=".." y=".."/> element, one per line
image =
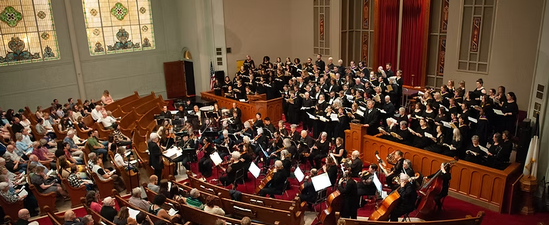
<point x="64" y="149"/>
<point x="211" y="208"/>
<point x="22" y="148"/>
<point x="92" y="201"/>
<point x="122" y="217"/>
<point x="453" y="148"/>
<point x="499" y="153"/>
<point x="44" y="185"/>
<point x="25" y="122"/>
<point x="106" y="98"/>
<point x="43" y="155"/>
<point x="157" y="210"/>
<point x="11" y="196"/>
<point x="172" y="193"/>
<point x="121" y="161"/>
<point x="438" y="141"/>
<point x="421" y="140"/>
<point x="82" y="125"/>
<point x="75" y="180"/>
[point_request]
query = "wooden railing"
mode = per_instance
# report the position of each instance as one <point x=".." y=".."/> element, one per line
<point x="272" y="108"/>
<point x="468" y="220"/>
<point x="478" y="184"/>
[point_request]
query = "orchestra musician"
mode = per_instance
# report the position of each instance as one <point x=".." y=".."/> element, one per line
<point x="260" y="142"/>
<point x="258" y="121"/>
<point x="306" y="142"/>
<point x="356" y="164"/>
<point x="282" y="129"/>
<point x="366" y="185"/>
<point x="308" y="193"/>
<point x="236" y="109"/>
<point x="276" y="185"/>
<point x="165" y="113"/>
<point x="408" y="197"/>
<point x="348" y="188"/>
<point x="293" y="134"/>
<point x="269" y="126"/>
<point x="224" y="140"/>
<point x="181" y="112"/>
<point x="407" y="168"/>
<point x="205" y="163"/>
<point x="235" y="164"/>
<point x="339" y="151"/>
<point x="445" y="176"/>
<point x="286" y="161"/>
<point x="319" y="150"/>
<point x="235" y="123"/>
<point x="331" y="168"/>
<point x="187" y="143"/>
<point x="155" y="154"/>
<point x="396" y="170"/>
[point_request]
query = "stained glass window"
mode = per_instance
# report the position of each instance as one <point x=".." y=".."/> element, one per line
<point x="116" y="26"/>
<point x="27" y="32"/>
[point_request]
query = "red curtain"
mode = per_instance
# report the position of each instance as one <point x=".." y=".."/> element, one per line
<point x="413" y="45"/>
<point x="386" y="32"/>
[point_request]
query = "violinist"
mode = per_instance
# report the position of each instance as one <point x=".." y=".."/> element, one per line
<point x="445" y="176"/>
<point x="319" y="150"/>
<point x="224" y="140"/>
<point x="236" y="109"/>
<point x="294" y="135"/>
<point x="331" y="168"/>
<point x="275" y="146"/>
<point x="366" y="185"/>
<point x="282" y="129"/>
<point x="269" y="126"/>
<point x="396" y="170"/>
<point x="235" y="164"/>
<point x="258" y="121"/>
<point x="356" y="164"/>
<point x="188" y="144"/>
<point x="348" y="188"/>
<point x="276" y="185"/>
<point x="205" y="163"/>
<point x="308" y="193"/>
<point x="247" y="131"/>
<point x="339" y="151"/>
<point x="260" y="142"/>
<point x="181" y="112"/>
<point x="306" y="142"/>
<point x="235" y="123"/>
<point x="408" y="197"/>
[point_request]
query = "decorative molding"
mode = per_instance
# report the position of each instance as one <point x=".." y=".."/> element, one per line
<point x="441" y="55"/>
<point x="365" y="14"/>
<point x="444" y="16"/>
<point x="475" y="34"/>
<point x="364" y="48"/>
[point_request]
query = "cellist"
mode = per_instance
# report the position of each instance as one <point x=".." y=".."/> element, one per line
<point x="408" y="197"/>
<point x="308" y="192"/>
<point x="445" y="176"/>
<point x="276" y="185"/>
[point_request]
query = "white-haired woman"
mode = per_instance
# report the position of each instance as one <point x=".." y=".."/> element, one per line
<point x="155" y="154"/>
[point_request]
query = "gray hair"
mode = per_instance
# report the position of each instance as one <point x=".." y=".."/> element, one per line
<point x="260" y="130"/>
<point x="18" y="136"/>
<point x="287" y="142"/>
<point x="136" y="192"/>
<point x="247" y="124"/>
<point x="70" y="132"/>
<point x="324" y="134"/>
<point x="225" y="132"/>
<point x="235" y="155"/>
<point x="285" y="152"/>
<point x="194" y="193"/>
<point x="3" y="185"/>
<point x="86" y="219"/>
<point x="475" y="138"/>
<point x="402" y="109"/>
<point x="91" y="155"/>
<point x="409" y="162"/>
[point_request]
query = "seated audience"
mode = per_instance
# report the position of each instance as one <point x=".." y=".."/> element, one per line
<point x="211" y="208"/>
<point x="45" y="185"/>
<point x="157" y="210"/>
<point x="137" y="201"/>
<point x="122" y="217"/>
<point x="107" y="210"/>
<point x="92" y="201"/>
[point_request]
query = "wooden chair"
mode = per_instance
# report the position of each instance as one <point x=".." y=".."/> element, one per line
<point x="12" y="209"/>
<point x="43" y="199"/>
<point x="74" y="193"/>
<point x="12" y="134"/>
<point x="88" y="120"/>
<point x="80" y="133"/>
<point x="55" y="219"/>
<point x="103" y="186"/>
<point x="60" y="135"/>
<point x="97" y="218"/>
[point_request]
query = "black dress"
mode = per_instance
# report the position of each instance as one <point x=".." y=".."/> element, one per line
<point x="350" y="199"/>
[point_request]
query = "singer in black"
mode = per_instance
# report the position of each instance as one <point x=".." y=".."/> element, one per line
<point x="348" y="189"/>
<point x="205" y="164"/>
<point x="155" y="155"/>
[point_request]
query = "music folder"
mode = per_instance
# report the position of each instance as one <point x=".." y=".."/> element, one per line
<point x="321" y="182"/>
<point x="377" y="183"/>
<point x="299" y="174"/>
<point x="254" y="169"/>
<point x="216" y="159"/>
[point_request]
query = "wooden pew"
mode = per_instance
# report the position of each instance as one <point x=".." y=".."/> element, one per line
<point x="128" y="122"/>
<point x="471" y="182"/>
<point x="74" y="193"/>
<point x="131" y="178"/>
<point x="468" y="220"/>
<point x="111" y="107"/>
<point x="60" y="135"/>
<point x="88" y="120"/>
<point x="122" y="202"/>
<point x="147" y="122"/>
<point x="80" y="133"/>
<point x="195" y="215"/>
<point x="102" y="131"/>
<point x="103" y="186"/>
<point x="11" y="209"/>
<point x="126" y="108"/>
<point x="158" y="102"/>
<point x="255" y="212"/>
<point x="247" y="198"/>
<point x="55" y="219"/>
<point x="97" y="218"/>
<point x="43" y="199"/>
<point x="35" y="133"/>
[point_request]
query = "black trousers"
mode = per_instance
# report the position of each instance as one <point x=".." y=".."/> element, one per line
<point x="205" y="166"/>
<point x="158" y="173"/>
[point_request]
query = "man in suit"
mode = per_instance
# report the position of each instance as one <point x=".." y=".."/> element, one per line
<point x="371" y="118"/>
<point x="237" y="110"/>
<point x="356" y="165"/>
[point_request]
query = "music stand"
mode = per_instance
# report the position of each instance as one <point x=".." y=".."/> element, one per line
<point x="321" y="182"/>
<point x="254" y="169"/>
<point x="216" y="159"/>
<point x="299" y="176"/>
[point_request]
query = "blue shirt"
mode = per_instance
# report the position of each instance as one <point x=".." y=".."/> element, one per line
<point x="71" y="142"/>
<point x="22" y="148"/>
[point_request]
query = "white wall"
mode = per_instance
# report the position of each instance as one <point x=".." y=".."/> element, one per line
<point x="514" y="48"/>
<point x="38" y="83"/>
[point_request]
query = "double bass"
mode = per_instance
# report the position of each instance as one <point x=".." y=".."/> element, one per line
<point x="383" y="212"/>
<point x="429" y="190"/>
<point x="334" y="201"/>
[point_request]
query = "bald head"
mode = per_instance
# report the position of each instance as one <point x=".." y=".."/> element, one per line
<point x="69" y="215"/>
<point x="24" y="214"/>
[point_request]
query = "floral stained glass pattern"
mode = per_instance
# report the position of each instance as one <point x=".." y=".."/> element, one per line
<point x="118" y="26"/>
<point x="27" y="32"/>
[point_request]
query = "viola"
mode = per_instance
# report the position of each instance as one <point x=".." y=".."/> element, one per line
<point x="334" y="201"/>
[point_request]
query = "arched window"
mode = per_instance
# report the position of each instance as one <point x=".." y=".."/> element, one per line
<point x="27" y="32"/>
<point x="117" y="26"/>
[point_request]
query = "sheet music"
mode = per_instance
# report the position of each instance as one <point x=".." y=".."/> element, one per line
<point x="428" y="135"/>
<point x="442" y="106"/>
<point x="360" y="113"/>
<point x="242" y="100"/>
<point x="133" y="161"/>
<point x="334" y="117"/>
<point x="498" y="112"/>
<point x="172" y="212"/>
<point x="446" y="124"/>
<point x="311" y="116"/>
<point x="377" y="183"/>
<point x="473" y="120"/>
<point x="216" y="159"/>
<point x="323" y="119"/>
<point x="22" y="193"/>
<point x="420" y="93"/>
<point x="169" y="186"/>
<point x="321" y="182"/>
<point x="133" y="213"/>
<point x="50" y="173"/>
<point x="382" y="111"/>
<point x="298" y="174"/>
<point x="350" y="97"/>
<point x="305" y="108"/>
<point x="173" y="153"/>
<point x="254" y="169"/>
<point x="362" y="108"/>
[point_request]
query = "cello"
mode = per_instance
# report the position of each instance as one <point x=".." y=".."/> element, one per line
<point x="265" y="180"/>
<point x="383" y="212"/>
<point x="430" y="189"/>
<point x="327" y="216"/>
